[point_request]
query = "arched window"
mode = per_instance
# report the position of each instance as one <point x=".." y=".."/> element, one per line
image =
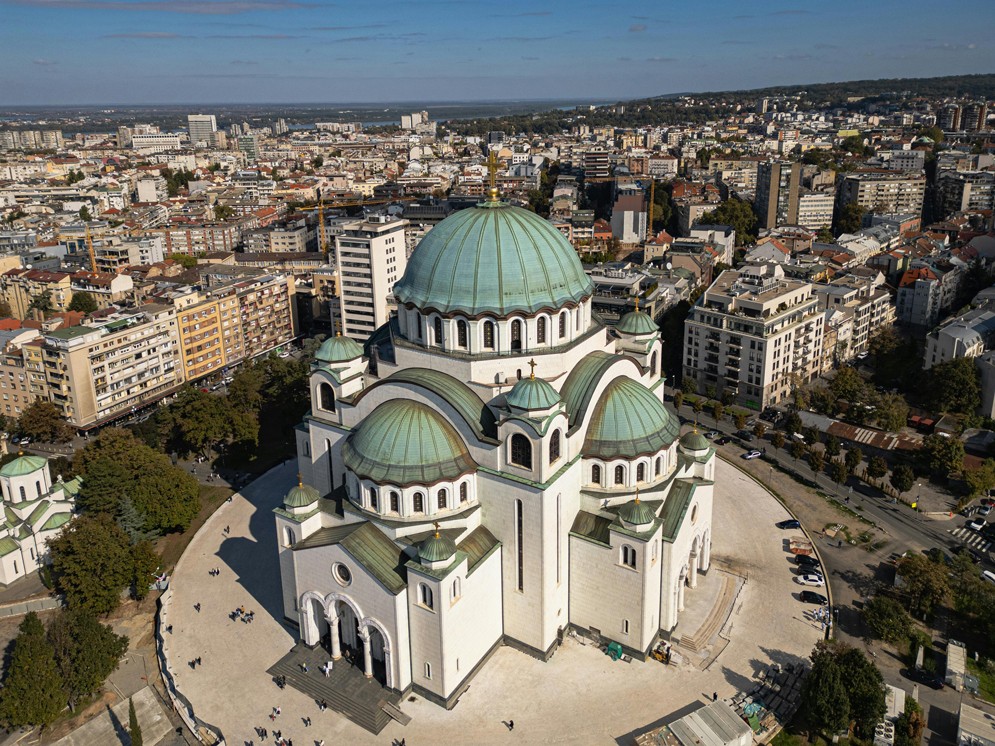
<point x="288" y="537"/>
<point x="462" y="334"/>
<point x="456" y="588"/>
<point x="653" y="364"/>
<point x="373" y="498"/>
<point x="596" y="474"/>
<point x="417" y="325"/>
<point x="619" y="475"/>
<point x="563" y="324"/>
<point x="463" y="493"/>
<point x="489" y="335"/>
<point x="419" y="502"/>
<point x="516" y="335"/>
<point x="659" y="465"/>
<point x="521" y="451"/>
<point x="23" y="495"/>
<point x="395" y="502"/>
<point x="541" y="330"/>
<point x="438" y="330"/>
<point x="326" y="397"/>
<point x="425" y="596"/>
<point x="443" y="499"/>
<point x="628" y="556"/>
<point x="38" y="488"/>
<point x="641" y="472"/>
<point x="554" y="446"/>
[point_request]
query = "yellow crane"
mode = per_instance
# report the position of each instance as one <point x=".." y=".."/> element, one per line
<point x="649" y="216"/>
<point x="321" y="227"/>
<point x="89" y="248"/>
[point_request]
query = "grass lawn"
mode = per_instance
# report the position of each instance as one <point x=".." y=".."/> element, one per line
<point x="171" y="546"/>
<point x="986" y="680"/>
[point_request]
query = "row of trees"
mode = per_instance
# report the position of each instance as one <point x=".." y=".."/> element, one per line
<point x="58" y="667"/>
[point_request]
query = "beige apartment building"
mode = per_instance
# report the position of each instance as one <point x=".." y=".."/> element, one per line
<point x="19" y="383"/>
<point x="21" y="287"/>
<point x="114" y="365"/>
<point x="267" y="311"/>
<point x="210" y="331"/>
<point x="885" y="191"/>
<point x="756" y="333"/>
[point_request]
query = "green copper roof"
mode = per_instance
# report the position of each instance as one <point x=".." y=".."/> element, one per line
<point x="676" y="507"/>
<point x="301" y="495"/>
<point x="637" y="322"/>
<point x="369" y="546"/>
<point x="493" y="258"/>
<point x="23" y="465"/>
<point x="532" y="393"/>
<point x="629" y="421"/>
<point x="579" y="387"/>
<point x="7" y="545"/>
<point x="694" y="441"/>
<point x="454" y="392"/>
<point x="436" y="548"/>
<point x="636" y="512"/>
<point x="338" y="350"/>
<point x="403" y="442"/>
<point x="57" y="520"/>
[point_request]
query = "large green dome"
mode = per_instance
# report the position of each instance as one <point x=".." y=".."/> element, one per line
<point x="629" y="421"/>
<point x="403" y="442"/>
<point x="493" y="258"/>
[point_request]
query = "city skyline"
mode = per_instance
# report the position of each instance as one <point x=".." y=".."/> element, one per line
<point x="77" y="52"/>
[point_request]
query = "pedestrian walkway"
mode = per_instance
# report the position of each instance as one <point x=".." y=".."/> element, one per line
<point x="972" y="538"/>
<point x="111" y="726"/>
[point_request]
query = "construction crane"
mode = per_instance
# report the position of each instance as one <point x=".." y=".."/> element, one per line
<point x="89" y="248"/>
<point x="321" y="226"/>
<point x="649" y="217"/>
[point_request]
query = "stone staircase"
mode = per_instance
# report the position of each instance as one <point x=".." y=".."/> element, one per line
<point x="713" y="623"/>
<point x="346" y="690"/>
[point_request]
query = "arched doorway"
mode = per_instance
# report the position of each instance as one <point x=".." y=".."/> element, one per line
<point x="377" y="653"/>
<point x="314" y="626"/>
<point x="349" y="632"/>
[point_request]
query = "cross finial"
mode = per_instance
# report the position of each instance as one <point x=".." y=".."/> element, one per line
<point x="637" y="496"/>
<point x="300" y="480"/>
<point x="436" y="524"/>
<point x="532" y="365"/>
<point x="338" y="330"/>
<point x="492" y="164"/>
<point x="637" y="301"/>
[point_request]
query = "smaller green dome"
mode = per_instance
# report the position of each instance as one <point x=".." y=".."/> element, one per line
<point x="532" y="393"/>
<point x="629" y="421"/>
<point x="338" y="349"/>
<point x="637" y="513"/>
<point x="694" y="441"/>
<point x="436" y="548"/>
<point x="23" y="465"/>
<point x="637" y="322"/>
<point x="301" y="496"/>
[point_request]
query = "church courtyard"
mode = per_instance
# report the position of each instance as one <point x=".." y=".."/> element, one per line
<point x="744" y="614"/>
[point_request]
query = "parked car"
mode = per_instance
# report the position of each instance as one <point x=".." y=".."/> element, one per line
<point x="984" y="509"/>
<point x="744" y="435"/>
<point x="712" y="434"/>
<point x="790" y="523"/>
<point x="751" y="454"/>
<point x="25" y="441"/>
<point x="723" y="440"/>
<point x="811" y="579"/>
<point x="805" y="560"/>
<point x="751" y="422"/>
<point x="811" y="597"/>
<point x="976" y="525"/>
<point x="923" y="677"/>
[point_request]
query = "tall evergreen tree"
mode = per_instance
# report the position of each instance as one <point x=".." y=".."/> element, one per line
<point x="32" y="691"/>
<point x="134" y="729"/>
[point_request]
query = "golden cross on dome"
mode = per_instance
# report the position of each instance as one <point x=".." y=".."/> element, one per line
<point x="532" y="365"/>
<point x="436" y="524"/>
<point x="338" y="330"/>
<point x="637" y="301"/>
<point x="637" y="496"/>
<point x="300" y="480"/>
<point x="492" y="164"/>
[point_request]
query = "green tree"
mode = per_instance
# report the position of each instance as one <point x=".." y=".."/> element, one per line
<point x="877" y="467"/>
<point x="933" y="132"/>
<point x="104" y="487"/>
<point x="717" y="411"/>
<point x="697" y="405"/>
<point x="892" y="412"/>
<point x="816" y="461"/>
<point x="184" y="260"/>
<point x="678" y="399"/>
<point x="942" y="454"/>
<point x="956" y="386"/>
<point x="887" y="619"/>
<point x="84" y="214"/>
<point x="86" y="651"/>
<point x="848" y="385"/>
<point x="982" y="479"/>
<point x="777" y="440"/>
<point x="131" y="519"/>
<point x="793" y="424"/>
<point x="853" y="458"/>
<point x="824" y="694"/>
<point x="902" y="478"/>
<point x="925" y="582"/>
<point x="145" y="566"/>
<point x="736" y="213"/>
<point x="739" y="419"/>
<point x="92" y="563"/>
<point x="797" y="449"/>
<point x="759" y="430"/>
<point x="838" y="472"/>
<point x="5" y="310"/>
<point x="689" y="385"/>
<point x="134" y="729"/>
<point x="83" y="301"/>
<point x="832" y="446"/>
<point x="317" y="162"/>
<point x="42" y="303"/>
<point x="811" y="435"/>
<point x="848" y="218"/>
<point x="865" y="688"/>
<point x="910" y="724"/>
<point x="32" y="692"/>
<point x="825" y="235"/>
<point x="43" y="421"/>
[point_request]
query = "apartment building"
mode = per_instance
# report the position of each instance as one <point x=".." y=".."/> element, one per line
<point x="884" y="191"/>
<point x="209" y="327"/>
<point x="969" y="335"/>
<point x="113" y="365"/>
<point x="370" y="258"/>
<point x="106" y="288"/>
<point x="20" y="384"/>
<point x="193" y="238"/>
<point x="756" y="333"/>
<point x="114" y="254"/>
<point x="22" y="287"/>
<point x="268" y="312"/>
<point x="963" y="191"/>
<point x="159" y="142"/>
<point x="864" y="300"/>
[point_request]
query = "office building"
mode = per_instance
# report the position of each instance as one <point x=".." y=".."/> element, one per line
<point x="370" y="257"/>
<point x="202" y="129"/>
<point x="754" y="333"/>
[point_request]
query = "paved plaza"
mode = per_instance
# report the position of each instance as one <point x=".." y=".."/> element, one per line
<point x="744" y="615"/>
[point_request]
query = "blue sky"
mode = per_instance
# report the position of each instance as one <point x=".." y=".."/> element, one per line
<point x="288" y="51"/>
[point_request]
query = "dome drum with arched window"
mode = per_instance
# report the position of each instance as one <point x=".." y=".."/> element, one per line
<point x="414" y="502"/>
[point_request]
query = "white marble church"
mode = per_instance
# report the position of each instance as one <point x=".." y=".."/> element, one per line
<point x="499" y="467"/>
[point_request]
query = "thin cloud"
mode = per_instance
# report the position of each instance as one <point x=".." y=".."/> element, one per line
<point x="44" y="63"/>
<point x="348" y="28"/>
<point x="265" y="37"/>
<point x="243" y="62"/>
<point x="146" y="35"/>
<point x="792" y="12"/>
<point x="190" y="7"/>
<point x="637" y="28"/>
<point x="661" y="59"/>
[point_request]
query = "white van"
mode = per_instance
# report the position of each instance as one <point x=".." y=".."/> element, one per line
<point x="989" y="576"/>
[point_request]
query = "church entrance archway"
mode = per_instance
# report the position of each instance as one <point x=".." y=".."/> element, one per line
<point x="352" y="648"/>
<point x="314" y="625"/>
<point x="379" y="659"/>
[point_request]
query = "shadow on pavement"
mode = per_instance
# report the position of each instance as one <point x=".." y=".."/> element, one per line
<point x="119" y="729"/>
<point x="943" y="725"/>
<point x="253" y="558"/>
<point x="780" y="657"/>
<point x="736" y="680"/>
